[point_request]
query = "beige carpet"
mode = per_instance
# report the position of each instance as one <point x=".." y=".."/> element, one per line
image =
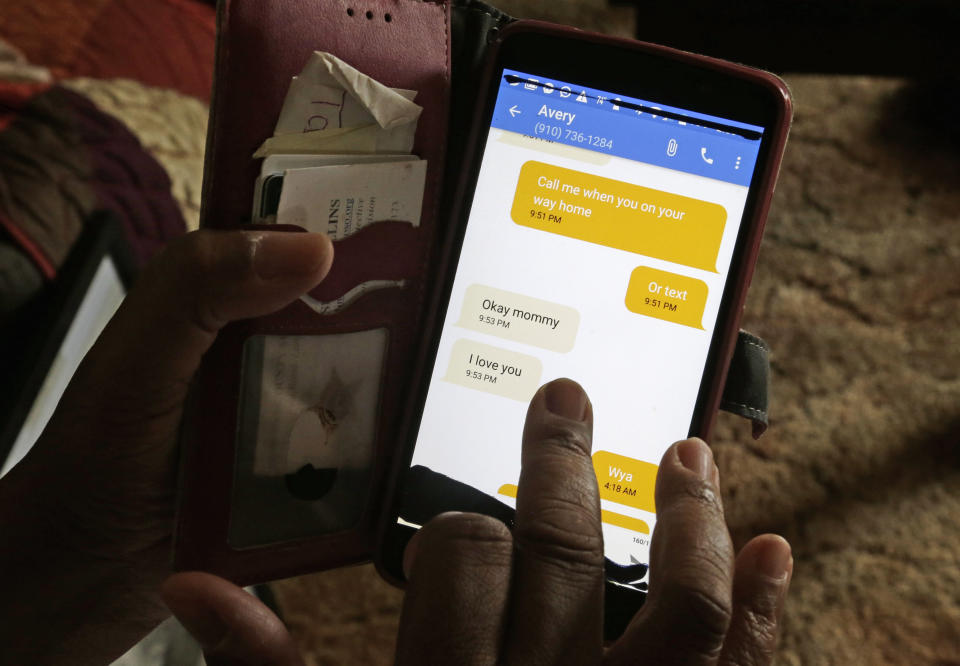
<point x="858" y="292"/>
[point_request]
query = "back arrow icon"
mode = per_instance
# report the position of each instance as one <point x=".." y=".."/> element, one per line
<point x="514" y="110"/>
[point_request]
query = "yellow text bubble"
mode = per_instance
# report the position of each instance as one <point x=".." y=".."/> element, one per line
<point x="494" y="370"/>
<point x="619" y="215"/>
<point x="624" y="480"/>
<point x="519" y="318"/>
<point x="667" y="296"/>
<point x="626" y="522"/>
<point x="609" y="517"/>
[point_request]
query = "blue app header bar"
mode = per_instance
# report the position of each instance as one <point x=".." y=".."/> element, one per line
<point x="627" y="127"/>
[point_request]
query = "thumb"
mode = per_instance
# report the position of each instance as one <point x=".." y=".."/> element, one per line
<point x="687" y="612"/>
<point x="233" y="628"/>
<point x="200" y="282"/>
<point x="119" y="416"/>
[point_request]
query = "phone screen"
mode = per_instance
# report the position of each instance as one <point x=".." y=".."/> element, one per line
<point x="597" y="247"/>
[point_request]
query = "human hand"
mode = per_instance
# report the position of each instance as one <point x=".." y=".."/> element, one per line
<point x="233" y="628"/>
<point x="93" y="502"/>
<point x="480" y="594"/>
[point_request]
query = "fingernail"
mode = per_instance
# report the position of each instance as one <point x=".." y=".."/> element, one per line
<point x="775" y="558"/>
<point x="565" y="398"/>
<point x="287" y="254"/>
<point x="695" y="455"/>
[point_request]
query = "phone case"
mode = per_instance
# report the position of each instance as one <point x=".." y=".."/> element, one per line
<point x="232" y="520"/>
<point x="261" y="45"/>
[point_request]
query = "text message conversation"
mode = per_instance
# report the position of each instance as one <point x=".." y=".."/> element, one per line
<point x="597" y="248"/>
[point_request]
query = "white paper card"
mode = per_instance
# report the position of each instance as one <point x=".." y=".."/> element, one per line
<point x="360" y="140"/>
<point x="333" y="108"/>
<point x="341" y="200"/>
<point x="279" y="163"/>
<point x="330" y="94"/>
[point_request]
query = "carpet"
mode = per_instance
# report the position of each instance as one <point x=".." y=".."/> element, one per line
<point x="858" y="292"/>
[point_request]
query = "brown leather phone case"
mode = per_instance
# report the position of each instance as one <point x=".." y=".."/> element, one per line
<point x="261" y="45"/>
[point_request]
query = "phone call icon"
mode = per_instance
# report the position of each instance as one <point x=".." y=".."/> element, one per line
<point x="703" y="154"/>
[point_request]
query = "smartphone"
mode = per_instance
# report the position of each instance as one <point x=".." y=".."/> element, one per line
<point x="608" y="224"/>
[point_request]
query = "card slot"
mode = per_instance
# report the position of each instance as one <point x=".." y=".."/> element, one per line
<point x="257" y="55"/>
<point x="387" y="251"/>
<point x="307" y="434"/>
<point x="339" y="304"/>
<point x="286" y="488"/>
<point x="390" y="307"/>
